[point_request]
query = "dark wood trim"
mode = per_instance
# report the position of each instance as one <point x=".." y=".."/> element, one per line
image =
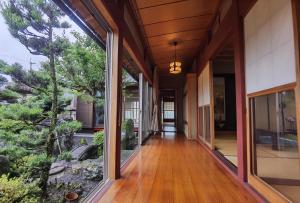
<point x="217" y="42"/>
<point x="273" y="90"/>
<point x="281" y="181"/>
<point x="245" y="6"/>
<point x="238" y="43"/>
<point x="228" y="163"/>
<point x="114" y="16"/>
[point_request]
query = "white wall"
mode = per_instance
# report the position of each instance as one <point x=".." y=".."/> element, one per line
<point x="269" y="45"/>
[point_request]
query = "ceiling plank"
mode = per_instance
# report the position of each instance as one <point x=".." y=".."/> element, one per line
<point x="178" y="10"/>
<point x="179" y="25"/>
<point x="180" y="36"/>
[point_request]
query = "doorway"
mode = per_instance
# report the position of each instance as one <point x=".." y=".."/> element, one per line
<point x="224" y="95"/>
<point x="168" y="110"/>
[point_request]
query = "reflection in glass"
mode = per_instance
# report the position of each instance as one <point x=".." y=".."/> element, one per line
<point x="130" y="115"/>
<point x="276" y="156"/>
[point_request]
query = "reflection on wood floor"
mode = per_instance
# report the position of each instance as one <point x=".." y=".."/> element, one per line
<point x="170" y="168"/>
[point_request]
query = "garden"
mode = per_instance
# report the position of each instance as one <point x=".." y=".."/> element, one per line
<point x="45" y="153"/>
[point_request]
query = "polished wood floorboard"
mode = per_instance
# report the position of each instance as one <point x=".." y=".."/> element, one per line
<point x="169" y="168"/>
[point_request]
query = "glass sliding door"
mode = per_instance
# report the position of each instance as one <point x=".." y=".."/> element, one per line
<point x="145" y="108"/>
<point x="54" y="95"/>
<point x="131" y="117"/>
<point x="275" y="154"/>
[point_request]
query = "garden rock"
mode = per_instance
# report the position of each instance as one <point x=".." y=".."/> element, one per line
<point x="85" y="152"/>
<point x="94" y="173"/>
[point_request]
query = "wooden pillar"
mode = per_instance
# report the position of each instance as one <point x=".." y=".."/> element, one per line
<point x="238" y="33"/>
<point x="296" y="24"/>
<point x="115" y="112"/>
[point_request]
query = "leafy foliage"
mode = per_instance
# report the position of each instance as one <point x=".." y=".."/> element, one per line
<point x="66" y="155"/>
<point x="31" y="166"/>
<point x="82" y="66"/>
<point x="16" y="190"/>
<point x="99" y="140"/>
<point x="68" y="129"/>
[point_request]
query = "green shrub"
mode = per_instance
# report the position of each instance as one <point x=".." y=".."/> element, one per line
<point x="14" y="153"/>
<point x="99" y="140"/>
<point x="67" y="155"/>
<point x="32" y="166"/>
<point x="68" y="129"/>
<point x="128" y="128"/>
<point x="83" y="141"/>
<point x="12" y="125"/>
<point x="15" y="190"/>
<point x="20" y="112"/>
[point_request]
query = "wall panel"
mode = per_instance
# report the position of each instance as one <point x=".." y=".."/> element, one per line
<point x="269" y="45"/>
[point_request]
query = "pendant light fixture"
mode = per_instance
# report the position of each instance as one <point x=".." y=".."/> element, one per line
<point x="175" y="66"/>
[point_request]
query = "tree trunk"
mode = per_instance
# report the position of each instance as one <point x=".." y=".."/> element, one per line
<point x="54" y="112"/>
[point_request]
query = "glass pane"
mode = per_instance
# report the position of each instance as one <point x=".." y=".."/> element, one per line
<point x="52" y="105"/>
<point x="276" y="156"/>
<point x="200" y="123"/>
<point x="130" y="114"/>
<point x="207" y="124"/>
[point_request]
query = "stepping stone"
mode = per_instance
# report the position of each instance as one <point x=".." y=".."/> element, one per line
<point x="56" y="170"/>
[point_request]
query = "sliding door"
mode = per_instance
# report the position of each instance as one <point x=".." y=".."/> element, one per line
<point x="205" y="106"/>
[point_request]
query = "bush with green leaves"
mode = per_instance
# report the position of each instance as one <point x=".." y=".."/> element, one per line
<point x="99" y="140"/>
<point x="128" y="129"/>
<point x="16" y="190"/>
<point x="13" y="152"/>
<point x="32" y="165"/>
<point x="66" y="155"/>
<point x="83" y="141"/>
<point x="67" y="129"/>
<point x="20" y="112"/>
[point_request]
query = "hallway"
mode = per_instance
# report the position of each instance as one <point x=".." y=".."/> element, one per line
<point x="170" y="168"/>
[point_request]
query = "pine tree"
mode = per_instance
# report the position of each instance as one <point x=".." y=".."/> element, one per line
<point x="33" y="23"/>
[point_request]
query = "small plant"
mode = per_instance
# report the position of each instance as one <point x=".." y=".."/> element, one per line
<point x="83" y="141"/>
<point x="16" y="190"/>
<point x="65" y="156"/>
<point x="128" y="127"/>
<point x="99" y="140"/>
<point x="68" y="129"/>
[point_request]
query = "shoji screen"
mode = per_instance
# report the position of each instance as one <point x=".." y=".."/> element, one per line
<point x="269" y="45"/>
<point x="205" y="105"/>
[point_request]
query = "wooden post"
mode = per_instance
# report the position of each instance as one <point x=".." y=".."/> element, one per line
<point x="238" y="33"/>
<point x="296" y="23"/>
<point x="115" y="112"/>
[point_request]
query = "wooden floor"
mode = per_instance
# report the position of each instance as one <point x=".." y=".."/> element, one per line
<point x="171" y="169"/>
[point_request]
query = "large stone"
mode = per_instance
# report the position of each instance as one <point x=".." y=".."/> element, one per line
<point x="94" y="173"/>
<point x="56" y="170"/>
<point x="85" y="152"/>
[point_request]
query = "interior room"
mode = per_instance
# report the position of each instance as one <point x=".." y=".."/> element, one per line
<point x="225" y="142"/>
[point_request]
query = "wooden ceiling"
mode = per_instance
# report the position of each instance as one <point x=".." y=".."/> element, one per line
<point x="165" y="21"/>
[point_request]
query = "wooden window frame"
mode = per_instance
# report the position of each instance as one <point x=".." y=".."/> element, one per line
<point x="258" y="183"/>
